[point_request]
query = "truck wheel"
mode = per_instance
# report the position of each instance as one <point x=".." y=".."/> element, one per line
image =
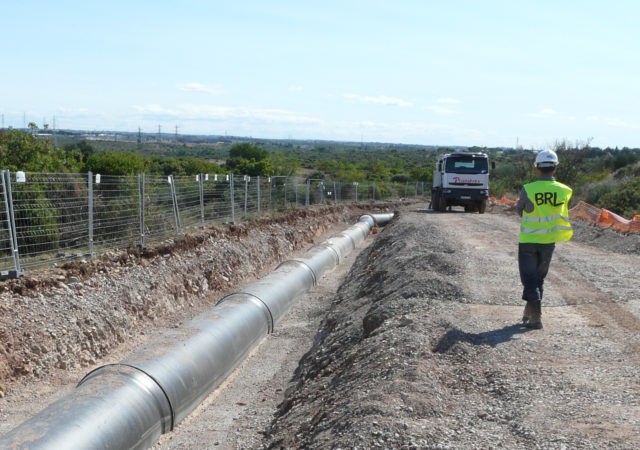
<point x="435" y="202"/>
<point x="442" y="204"/>
<point x="482" y="206"/>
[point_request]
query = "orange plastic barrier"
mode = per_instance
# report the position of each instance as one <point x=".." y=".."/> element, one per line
<point x="598" y="216"/>
<point x="605" y="218"/>
<point x="502" y="201"/>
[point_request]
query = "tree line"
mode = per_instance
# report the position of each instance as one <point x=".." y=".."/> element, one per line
<point x="608" y="177"/>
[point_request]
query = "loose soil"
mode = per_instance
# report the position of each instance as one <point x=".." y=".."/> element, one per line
<point x="413" y="342"/>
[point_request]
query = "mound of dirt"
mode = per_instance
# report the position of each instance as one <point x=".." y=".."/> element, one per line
<point x="599" y="237"/>
<point x="364" y="382"/>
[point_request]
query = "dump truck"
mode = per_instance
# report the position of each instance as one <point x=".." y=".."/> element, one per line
<point x="461" y="179"/>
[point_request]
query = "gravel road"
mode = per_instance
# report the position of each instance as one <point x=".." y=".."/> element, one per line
<point x="422" y="348"/>
<point x="414" y="342"/>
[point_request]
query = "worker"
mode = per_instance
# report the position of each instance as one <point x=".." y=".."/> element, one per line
<point x="544" y="208"/>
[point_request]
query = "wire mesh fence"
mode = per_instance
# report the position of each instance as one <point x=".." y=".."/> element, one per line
<point x="47" y="218"/>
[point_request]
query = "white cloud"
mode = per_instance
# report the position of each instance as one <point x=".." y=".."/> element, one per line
<point x="442" y="110"/>
<point x="203" y="88"/>
<point x="621" y="123"/>
<point x="72" y="111"/>
<point x="378" y="100"/>
<point x="445" y="106"/>
<point x="545" y="113"/>
<point x="155" y="110"/>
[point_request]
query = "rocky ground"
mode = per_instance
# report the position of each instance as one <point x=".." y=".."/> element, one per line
<point x="416" y="346"/>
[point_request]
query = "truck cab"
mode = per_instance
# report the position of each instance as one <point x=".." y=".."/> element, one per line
<point x="461" y="179"/>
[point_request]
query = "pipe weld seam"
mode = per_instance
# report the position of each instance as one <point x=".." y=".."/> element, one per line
<point x="308" y="267"/>
<point x="330" y="247"/>
<point x="258" y="302"/>
<point x="95" y="373"/>
<point x="353" y="242"/>
<point x="368" y="219"/>
<point x="301" y="264"/>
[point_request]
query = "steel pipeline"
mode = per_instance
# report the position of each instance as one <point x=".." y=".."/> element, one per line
<point x="130" y="404"/>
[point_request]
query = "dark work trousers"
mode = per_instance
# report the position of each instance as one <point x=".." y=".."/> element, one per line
<point x="533" y="261"/>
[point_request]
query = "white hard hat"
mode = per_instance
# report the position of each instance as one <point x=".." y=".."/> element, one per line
<point x="546" y="158"/>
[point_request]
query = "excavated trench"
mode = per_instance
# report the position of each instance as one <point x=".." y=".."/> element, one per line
<point x="132" y="403"/>
<point x="72" y="317"/>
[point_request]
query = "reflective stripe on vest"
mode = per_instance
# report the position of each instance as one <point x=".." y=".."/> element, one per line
<point x="549" y="220"/>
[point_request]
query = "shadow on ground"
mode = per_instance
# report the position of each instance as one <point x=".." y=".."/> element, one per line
<point x="491" y="338"/>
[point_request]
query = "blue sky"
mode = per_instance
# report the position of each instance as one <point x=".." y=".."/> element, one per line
<point x="431" y="72"/>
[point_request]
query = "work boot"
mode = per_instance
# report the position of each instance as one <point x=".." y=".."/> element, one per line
<point x="528" y="311"/>
<point x="535" y="319"/>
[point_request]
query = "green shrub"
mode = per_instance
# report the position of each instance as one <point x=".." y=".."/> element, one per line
<point x="624" y="200"/>
<point x="115" y="163"/>
<point x="36" y="221"/>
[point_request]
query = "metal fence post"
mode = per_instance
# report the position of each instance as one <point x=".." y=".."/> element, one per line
<point x="11" y="225"/>
<point x="90" y="210"/>
<point x="233" y="200"/>
<point x="141" y="195"/>
<point x="174" y="198"/>
<point x="308" y="193"/>
<point x="258" y="183"/>
<point x="246" y="193"/>
<point x="201" y="187"/>
<point x="284" y="187"/>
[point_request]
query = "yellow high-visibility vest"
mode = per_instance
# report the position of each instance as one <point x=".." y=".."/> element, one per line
<point x="549" y="221"/>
